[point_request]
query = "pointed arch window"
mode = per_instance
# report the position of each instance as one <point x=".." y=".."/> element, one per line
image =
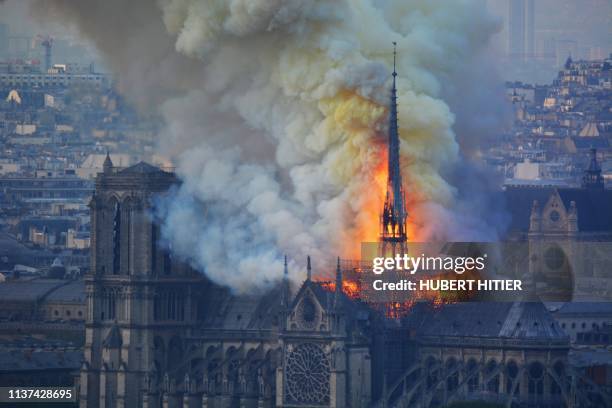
<point x="117" y="239"/>
<point x="153" y="249"/>
<point x="126" y="216"/>
<point x="167" y="262"/>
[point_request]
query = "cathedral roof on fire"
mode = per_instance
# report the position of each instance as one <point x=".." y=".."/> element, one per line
<point x="503" y="320"/>
<point x="593" y="206"/>
<point x="226" y="311"/>
<point x="326" y="297"/>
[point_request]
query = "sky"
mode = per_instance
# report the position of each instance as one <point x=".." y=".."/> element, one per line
<point x="582" y="28"/>
<point x="587" y="21"/>
<point x="69" y="46"/>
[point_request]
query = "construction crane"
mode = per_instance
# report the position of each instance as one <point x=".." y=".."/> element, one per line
<point x="47" y="43"/>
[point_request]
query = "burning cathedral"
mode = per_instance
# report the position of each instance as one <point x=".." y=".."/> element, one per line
<point x="159" y="334"/>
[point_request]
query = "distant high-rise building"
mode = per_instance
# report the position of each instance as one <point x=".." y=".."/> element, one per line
<point x="4" y="34"/>
<point x="530" y="28"/>
<point x="516" y="28"/>
<point x="521" y="28"/>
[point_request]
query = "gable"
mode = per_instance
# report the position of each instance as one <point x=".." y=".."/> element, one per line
<point x="594" y="207"/>
<point x="307" y="310"/>
<point x="518" y="202"/>
<point x="554" y="214"/>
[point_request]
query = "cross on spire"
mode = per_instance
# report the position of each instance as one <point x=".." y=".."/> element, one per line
<point x="394" y="57"/>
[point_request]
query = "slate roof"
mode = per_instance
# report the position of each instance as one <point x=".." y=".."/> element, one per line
<point x="14" y="361"/>
<point x="227" y="311"/>
<point x="518" y="201"/>
<point x="596" y="142"/>
<point x="74" y="292"/>
<point x="510" y="320"/>
<point x="28" y="290"/>
<point x="590" y="357"/>
<point x="141" y="168"/>
<point x="585" y="309"/>
<point x="351" y="307"/>
<point x="594" y="214"/>
<point x="17" y="253"/>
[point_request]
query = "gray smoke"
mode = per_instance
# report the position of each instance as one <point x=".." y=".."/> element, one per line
<point x="275" y="116"/>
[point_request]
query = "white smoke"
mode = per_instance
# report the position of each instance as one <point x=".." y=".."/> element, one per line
<point x="280" y="136"/>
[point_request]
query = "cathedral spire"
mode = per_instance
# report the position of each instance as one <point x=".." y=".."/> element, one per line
<point x="107" y="166"/>
<point x="393" y="218"/>
<point x="592" y="178"/>
<point x="308" y="269"/>
<point x="569" y="62"/>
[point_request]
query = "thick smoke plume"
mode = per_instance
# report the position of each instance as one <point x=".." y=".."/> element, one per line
<point x="276" y="112"/>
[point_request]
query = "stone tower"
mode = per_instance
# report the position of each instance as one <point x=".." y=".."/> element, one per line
<point x="140" y="302"/>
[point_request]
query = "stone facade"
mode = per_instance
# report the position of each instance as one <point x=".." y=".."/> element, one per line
<point x="159" y="334"/>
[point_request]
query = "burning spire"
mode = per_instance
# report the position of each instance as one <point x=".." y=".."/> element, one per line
<point x="393" y="235"/>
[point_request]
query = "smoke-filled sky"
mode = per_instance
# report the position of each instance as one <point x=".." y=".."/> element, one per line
<point x="588" y="22"/>
<point x="276" y="114"/>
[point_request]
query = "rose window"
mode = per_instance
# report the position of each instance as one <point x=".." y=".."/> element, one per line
<point x="307" y="375"/>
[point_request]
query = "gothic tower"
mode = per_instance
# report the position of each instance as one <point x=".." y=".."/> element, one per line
<point x="140" y="301"/>
<point x="592" y="178"/>
<point x="393" y="235"/>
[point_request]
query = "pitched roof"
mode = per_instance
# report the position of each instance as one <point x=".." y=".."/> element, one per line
<point x="142" y="168"/>
<point x="16" y="361"/>
<point x="28" y="290"/>
<point x="594" y="214"/>
<point x="593" y="206"/>
<point x="518" y="202"/>
<point x="96" y="161"/>
<point x="516" y="320"/>
<point x="590" y="142"/>
<point x="586" y="308"/>
<point x="74" y="292"/>
<point x="589" y="130"/>
<point x="355" y="310"/>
